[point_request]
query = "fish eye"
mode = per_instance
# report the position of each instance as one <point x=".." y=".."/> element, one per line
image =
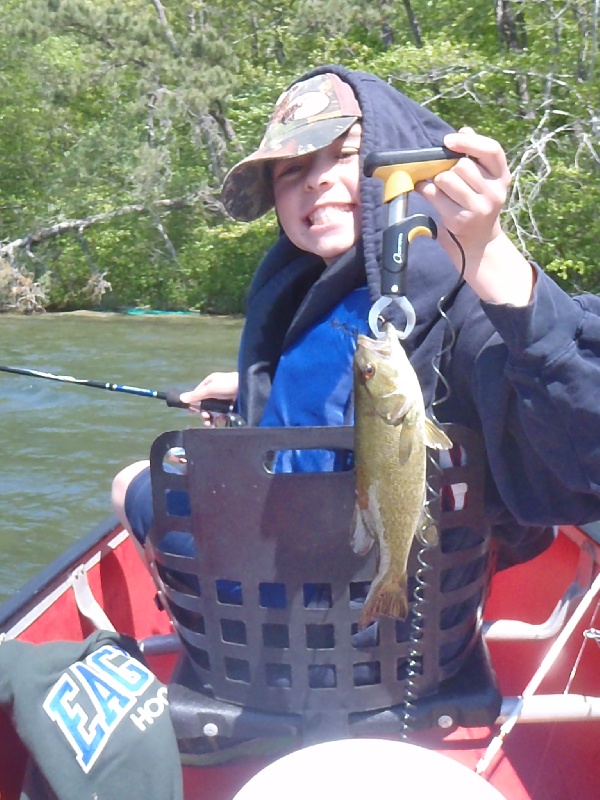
<point x="369" y="370"/>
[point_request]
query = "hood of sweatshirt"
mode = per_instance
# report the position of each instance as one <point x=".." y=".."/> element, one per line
<point x="291" y="289"/>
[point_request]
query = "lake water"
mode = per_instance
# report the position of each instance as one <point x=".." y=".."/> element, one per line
<point x="61" y="443"/>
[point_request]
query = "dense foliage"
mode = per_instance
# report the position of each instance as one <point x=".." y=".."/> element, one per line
<point x="119" y="120"/>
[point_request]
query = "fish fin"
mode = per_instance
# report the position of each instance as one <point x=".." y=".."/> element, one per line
<point x="389" y="599"/>
<point x="406" y="439"/>
<point x="362" y="538"/>
<point x="435" y="437"/>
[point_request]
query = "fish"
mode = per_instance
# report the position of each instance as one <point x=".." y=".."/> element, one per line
<point x="391" y="437"/>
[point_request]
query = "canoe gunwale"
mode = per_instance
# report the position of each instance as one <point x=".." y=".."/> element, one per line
<point x="40" y="584"/>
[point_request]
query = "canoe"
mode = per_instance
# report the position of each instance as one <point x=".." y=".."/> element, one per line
<point x="538" y="623"/>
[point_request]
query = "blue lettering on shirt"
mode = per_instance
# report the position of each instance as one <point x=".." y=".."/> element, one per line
<point x="128" y="673"/>
<point x="90" y="699"/>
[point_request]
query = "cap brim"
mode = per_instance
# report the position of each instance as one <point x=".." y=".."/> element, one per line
<point x="247" y="192"/>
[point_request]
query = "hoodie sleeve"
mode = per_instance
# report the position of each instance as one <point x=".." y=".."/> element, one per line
<point x="536" y="387"/>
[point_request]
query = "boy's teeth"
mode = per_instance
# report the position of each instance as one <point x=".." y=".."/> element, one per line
<point x="327" y="214"/>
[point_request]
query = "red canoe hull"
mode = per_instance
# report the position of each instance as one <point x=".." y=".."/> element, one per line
<point x="555" y="760"/>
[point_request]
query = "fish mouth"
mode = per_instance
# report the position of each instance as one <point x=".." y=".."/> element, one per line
<point x="379" y="346"/>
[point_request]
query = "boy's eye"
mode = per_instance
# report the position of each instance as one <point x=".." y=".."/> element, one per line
<point x="285" y="171"/>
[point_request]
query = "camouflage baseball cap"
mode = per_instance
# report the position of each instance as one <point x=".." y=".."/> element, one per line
<point x="308" y="116"/>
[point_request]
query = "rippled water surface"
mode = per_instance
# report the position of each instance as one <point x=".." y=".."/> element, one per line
<point x="62" y="443"/>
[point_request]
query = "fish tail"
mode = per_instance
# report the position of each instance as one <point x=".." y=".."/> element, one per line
<point x="388" y="599"/>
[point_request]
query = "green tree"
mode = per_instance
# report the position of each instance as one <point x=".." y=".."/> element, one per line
<point x="118" y="122"/>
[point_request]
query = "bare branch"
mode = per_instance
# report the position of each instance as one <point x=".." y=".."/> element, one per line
<point x="208" y="132"/>
<point x="151" y="106"/>
<point x="413" y="23"/>
<point x="563" y="118"/>
<point x="511" y="24"/>
<point x="18" y="290"/>
<point x="162" y="18"/>
<point x="97" y="286"/>
<point x="533" y="167"/>
<point x="210" y="202"/>
<point x="169" y="246"/>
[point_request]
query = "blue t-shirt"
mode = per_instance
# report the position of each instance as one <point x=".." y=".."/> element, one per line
<point x="313" y="382"/>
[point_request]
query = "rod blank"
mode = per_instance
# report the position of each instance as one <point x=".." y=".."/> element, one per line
<point x="171" y="397"/>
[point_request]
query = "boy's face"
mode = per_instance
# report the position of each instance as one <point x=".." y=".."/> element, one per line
<point x="317" y="197"/>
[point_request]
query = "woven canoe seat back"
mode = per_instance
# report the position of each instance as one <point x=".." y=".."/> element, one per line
<point x="268" y="594"/>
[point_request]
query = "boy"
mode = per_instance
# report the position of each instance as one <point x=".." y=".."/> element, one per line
<point x="525" y="366"/>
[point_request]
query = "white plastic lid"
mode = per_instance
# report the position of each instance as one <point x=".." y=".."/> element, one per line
<point x="360" y="769"/>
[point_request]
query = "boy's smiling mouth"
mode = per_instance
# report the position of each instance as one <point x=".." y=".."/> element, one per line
<point x="329" y="214"/>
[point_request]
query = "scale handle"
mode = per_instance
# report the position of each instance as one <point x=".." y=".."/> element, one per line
<point x="401" y="169"/>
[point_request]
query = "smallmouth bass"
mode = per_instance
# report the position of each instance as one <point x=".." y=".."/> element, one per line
<point x="391" y="434"/>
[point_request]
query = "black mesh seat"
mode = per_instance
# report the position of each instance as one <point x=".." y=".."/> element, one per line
<point x="268" y="597"/>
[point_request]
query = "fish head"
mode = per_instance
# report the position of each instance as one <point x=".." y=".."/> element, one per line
<point x="383" y="373"/>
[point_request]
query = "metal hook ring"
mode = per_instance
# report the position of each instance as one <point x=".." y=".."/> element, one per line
<point x="383" y="302"/>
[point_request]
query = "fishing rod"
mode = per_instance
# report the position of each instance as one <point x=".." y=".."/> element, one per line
<point x="211" y="405"/>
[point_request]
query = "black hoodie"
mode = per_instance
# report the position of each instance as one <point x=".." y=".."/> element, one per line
<point x="525" y="379"/>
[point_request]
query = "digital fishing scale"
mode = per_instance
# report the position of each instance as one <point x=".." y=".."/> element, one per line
<point x="400" y="170"/>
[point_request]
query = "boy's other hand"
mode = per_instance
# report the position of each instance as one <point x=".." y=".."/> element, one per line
<point x="220" y="385"/>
